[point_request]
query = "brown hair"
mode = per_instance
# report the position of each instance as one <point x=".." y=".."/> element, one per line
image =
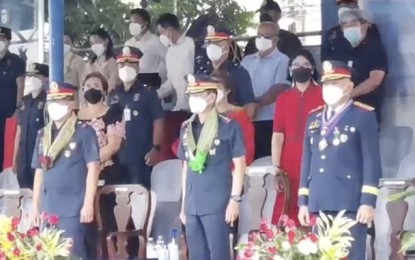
<point x="101" y="78"/>
<point x="227" y="82"/>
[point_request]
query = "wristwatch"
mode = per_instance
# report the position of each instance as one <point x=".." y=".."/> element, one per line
<point x="157" y="148"/>
<point x="236" y="198"/>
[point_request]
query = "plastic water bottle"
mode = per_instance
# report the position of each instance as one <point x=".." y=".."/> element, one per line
<point x="173" y="247"/>
<point x="151" y="249"/>
<point x="162" y="253"/>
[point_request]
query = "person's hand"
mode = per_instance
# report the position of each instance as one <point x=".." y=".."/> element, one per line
<point x="182" y="217"/>
<point x="304" y="216"/>
<point x="87" y="214"/>
<point x="151" y="157"/>
<point x="232" y="212"/>
<point x="22" y="53"/>
<point x="35" y="217"/>
<point x="365" y="214"/>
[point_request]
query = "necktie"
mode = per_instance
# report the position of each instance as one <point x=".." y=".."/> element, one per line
<point x="331" y="114"/>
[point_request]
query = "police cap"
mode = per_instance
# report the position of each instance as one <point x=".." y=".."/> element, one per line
<point x="128" y="54"/>
<point x="339" y="2"/>
<point x="333" y="70"/>
<point x="217" y="34"/>
<point x="200" y="83"/>
<point x="6" y="33"/>
<point x="61" y="90"/>
<point x="34" y="69"/>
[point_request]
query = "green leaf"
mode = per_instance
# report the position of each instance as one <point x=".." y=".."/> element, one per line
<point x="401" y="195"/>
<point x="407" y="241"/>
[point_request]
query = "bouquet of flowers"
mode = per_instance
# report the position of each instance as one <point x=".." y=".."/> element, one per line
<point x="19" y="240"/>
<point x="288" y="242"/>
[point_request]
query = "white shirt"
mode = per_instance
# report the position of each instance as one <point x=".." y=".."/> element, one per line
<point x="154" y="54"/>
<point x="179" y="63"/>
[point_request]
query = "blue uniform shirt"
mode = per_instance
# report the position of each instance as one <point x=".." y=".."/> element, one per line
<point x="209" y="192"/>
<point x="30" y="120"/>
<point x="144" y="108"/>
<point x="345" y="175"/>
<point x="64" y="184"/>
<point x="11" y="68"/>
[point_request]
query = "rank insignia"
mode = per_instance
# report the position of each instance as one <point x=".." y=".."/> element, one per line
<point x="72" y="145"/>
<point x="212" y="152"/>
<point x="126" y="50"/>
<point x="53" y="86"/>
<point x="216" y="142"/>
<point x="136" y="97"/>
<point x="135" y="113"/>
<point x="67" y="154"/>
<point x="40" y="105"/>
<point x="327" y="67"/>
<point x="314" y="125"/>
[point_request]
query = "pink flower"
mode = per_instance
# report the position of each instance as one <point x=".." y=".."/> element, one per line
<point x="53" y="220"/>
<point x="44" y="216"/>
<point x="313" y="220"/>
<point x="16" y="252"/>
<point x="39" y="247"/>
<point x="273" y="250"/>
<point x="313" y="238"/>
<point x="290" y="224"/>
<point x="264" y="225"/>
<point x="284" y="219"/>
<point x="269" y="234"/>
<point x="15" y="222"/>
<point x="11" y="237"/>
<point x="33" y="232"/>
<point x="249" y="252"/>
<point x="291" y="237"/>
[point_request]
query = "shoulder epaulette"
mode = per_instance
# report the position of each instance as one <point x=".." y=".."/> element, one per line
<point x="226" y="119"/>
<point x="316" y="109"/>
<point x="363" y="106"/>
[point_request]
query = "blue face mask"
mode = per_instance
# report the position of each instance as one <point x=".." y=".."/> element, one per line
<point x="353" y="35"/>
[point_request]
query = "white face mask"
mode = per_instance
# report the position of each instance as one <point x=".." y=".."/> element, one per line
<point x="353" y="35"/>
<point x="98" y="49"/>
<point x="127" y="74"/>
<point x="135" y="29"/>
<point x="165" y="40"/>
<point x="332" y="94"/>
<point x="57" y="111"/>
<point x="220" y="96"/>
<point x="214" y="52"/>
<point x="66" y="48"/>
<point x="263" y="44"/>
<point x="197" y="105"/>
<point x="32" y="85"/>
<point x="2" y="46"/>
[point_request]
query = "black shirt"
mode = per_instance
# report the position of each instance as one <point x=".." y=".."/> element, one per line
<point x="11" y="68"/>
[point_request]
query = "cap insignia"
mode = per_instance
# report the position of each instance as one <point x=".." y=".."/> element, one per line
<point x="191" y="81"/>
<point x="126" y="50"/>
<point x="53" y="87"/>
<point x="327" y="67"/>
<point x="210" y="30"/>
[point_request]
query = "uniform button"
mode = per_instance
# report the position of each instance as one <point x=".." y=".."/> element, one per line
<point x="323" y="157"/>
<point x="321" y="170"/>
<point x="348" y="176"/>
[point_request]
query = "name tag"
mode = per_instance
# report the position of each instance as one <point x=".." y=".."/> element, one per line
<point x="127" y="114"/>
<point x="121" y="189"/>
<point x="11" y="192"/>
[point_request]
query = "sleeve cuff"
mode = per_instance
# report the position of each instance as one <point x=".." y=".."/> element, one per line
<point x="369" y="195"/>
<point x="303" y="194"/>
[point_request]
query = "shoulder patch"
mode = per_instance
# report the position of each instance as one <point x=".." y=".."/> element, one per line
<point x="226" y="119"/>
<point x="316" y="109"/>
<point x="363" y="106"/>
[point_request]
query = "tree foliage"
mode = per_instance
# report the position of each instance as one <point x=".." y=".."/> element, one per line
<point x="83" y="16"/>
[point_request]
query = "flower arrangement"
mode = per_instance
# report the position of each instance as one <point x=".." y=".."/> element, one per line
<point x="19" y="240"/>
<point x="288" y="242"/>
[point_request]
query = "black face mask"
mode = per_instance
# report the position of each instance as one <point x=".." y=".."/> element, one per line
<point x="301" y="75"/>
<point x="93" y="95"/>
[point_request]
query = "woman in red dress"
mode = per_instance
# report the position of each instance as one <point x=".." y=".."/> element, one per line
<point x="291" y="112"/>
<point x="223" y="106"/>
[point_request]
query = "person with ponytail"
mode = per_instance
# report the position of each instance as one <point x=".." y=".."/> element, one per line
<point x="291" y="111"/>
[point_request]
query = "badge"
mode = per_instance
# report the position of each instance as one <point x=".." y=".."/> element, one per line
<point x="127" y="114"/>
<point x="212" y="152"/>
<point x="216" y="142"/>
<point x="343" y="138"/>
<point x="323" y="132"/>
<point x="311" y="140"/>
<point x="350" y="63"/>
<point x="40" y="105"/>
<point x="352" y="129"/>
<point x="336" y="141"/>
<point x="72" y="145"/>
<point x="322" y="145"/>
<point x="67" y="154"/>
<point x="136" y="97"/>
<point x="135" y="113"/>
<point x="314" y="125"/>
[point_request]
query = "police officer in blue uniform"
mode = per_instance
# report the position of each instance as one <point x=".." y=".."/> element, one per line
<point x="12" y="72"/>
<point x="66" y="159"/>
<point x="211" y="192"/>
<point x="143" y="115"/>
<point x="341" y="157"/>
<point x="30" y="121"/>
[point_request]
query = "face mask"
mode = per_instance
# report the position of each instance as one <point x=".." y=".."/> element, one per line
<point x="32" y="85"/>
<point x="127" y="74"/>
<point x="197" y="105"/>
<point x="57" y="111"/>
<point x="332" y="94"/>
<point x="165" y="40"/>
<point x="98" y="49"/>
<point x="135" y="29"/>
<point x="93" y="96"/>
<point x="66" y="48"/>
<point x="353" y="35"/>
<point x="2" y="46"/>
<point x="301" y="75"/>
<point x="214" y="52"/>
<point x="263" y="44"/>
<point x="342" y="10"/>
<point x="220" y="96"/>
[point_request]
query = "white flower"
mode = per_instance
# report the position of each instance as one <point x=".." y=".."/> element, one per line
<point x="277" y="257"/>
<point x="307" y="247"/>
<point x="255" y="256"/>
<point x="286" y="245"/>
<point x="313" y="247"/>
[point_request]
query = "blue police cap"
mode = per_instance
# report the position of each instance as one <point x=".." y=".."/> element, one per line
<point x="37" y="69"/>
<point x="128" y="54"/>
<point x="333" y="70"/>
<point x="6" y="32"/>
<point x="200" y="83"/>
<point x="61" y="90"/>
